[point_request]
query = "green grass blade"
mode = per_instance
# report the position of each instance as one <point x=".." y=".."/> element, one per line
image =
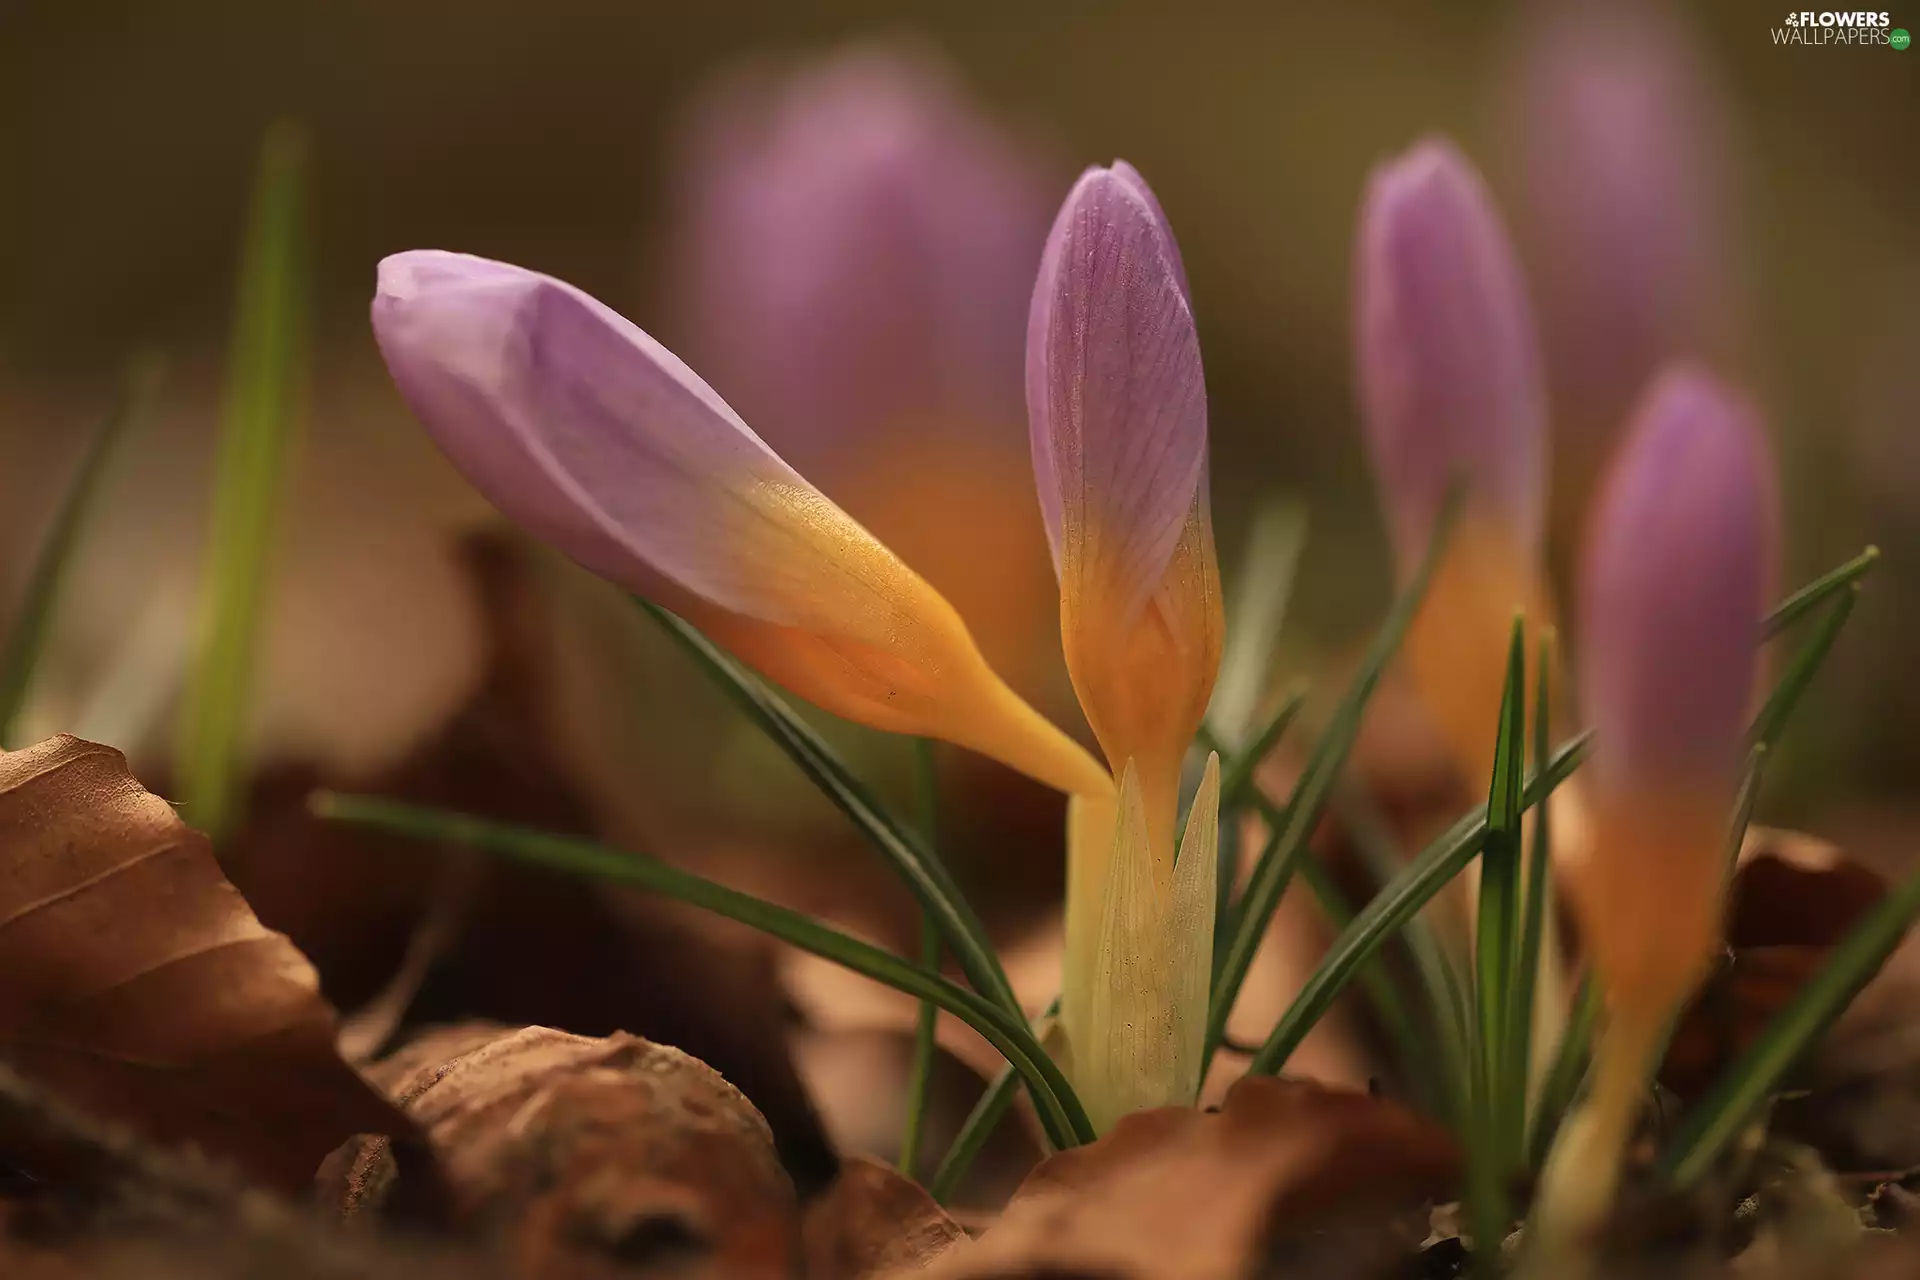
<point x="920" y="1073"/>
<point x="1744" y="1088"/>
<point x="265" y="367"/>
<point x="1562" y="1081"/>
<point x="1236" y="778"/>
<point x="1815" y="593"/>
<point x="1498" y="924"/>
<point x="978" y="1126"/>
<point x="904" y="849"/>
<point x="34" y="616"/>
<point x="1060" y="1112"/>
<point x="1392" y="907"/>
<point x="1275" y="864"/>
<point x="1262" y="589"/>
<point x="1375" y="983"/>
<point x="1786" y="695"/>
<point x="1237" y="789"/>
<point x="1445" y="998"/>
<point x="1533" y="910"/>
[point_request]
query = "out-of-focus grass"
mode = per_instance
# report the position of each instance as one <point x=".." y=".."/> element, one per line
<point x="28" y="634"/>
<point x="266" y="361"/>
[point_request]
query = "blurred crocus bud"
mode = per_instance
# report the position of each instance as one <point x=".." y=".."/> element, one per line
<point x="853" y="253"/>
<point x="598" y="440"/>
<point x="1118" y="417"/>
<point x="1621" y="143"/>
<point x="1451" y="394"/>
<point x="1678" y="568"/>
<point x="1449" y="370"/>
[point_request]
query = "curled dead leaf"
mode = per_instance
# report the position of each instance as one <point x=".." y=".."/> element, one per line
<point x="872" y="1219"/>
<point x="136" y="984"/>
<point x="582" y="1156"/>
<point x="1251" y="1189"/>
<point x="1793" y="899"/>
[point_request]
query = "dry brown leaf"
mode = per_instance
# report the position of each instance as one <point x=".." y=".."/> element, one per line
<point x="137" y="985"/>
<point x="873" y="1219"/>
<point x="584" y="1157"/>
<point x="1793" y="899"/>
<point x="1199" y="1195"/>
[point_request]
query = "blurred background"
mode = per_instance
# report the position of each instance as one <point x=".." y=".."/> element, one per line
<point x="833" y="210"/>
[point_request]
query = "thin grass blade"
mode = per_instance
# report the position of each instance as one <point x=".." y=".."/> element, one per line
<point x="1815" y="593"/>
<point x="903" y="848"/>
<point x="1262" y="590"/>
<point x="1060" y="1112"/>
<point x="1498" y="924"/>
<point x="1745" y="1087"/>
<point x="1786" y="695"/>
<point x="927" y="1024"/>
<point x="31" y="620"/>
<point x="1561" y="1084"/>
<point x="1533" y="909"/>
<point x="1392" y="907"/>
<point x="979" y="1126"/>
<point x="266" y="361"/>
<point x="1324" y="765"/>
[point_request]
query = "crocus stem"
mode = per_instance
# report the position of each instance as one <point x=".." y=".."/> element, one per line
<point x="1583" y="1171"/>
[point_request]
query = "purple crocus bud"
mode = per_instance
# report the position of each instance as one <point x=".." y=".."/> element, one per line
<point x="1117" y="411"/>
<point x="857" y="248"/>
<point x="1678" y="568"/>
<point x="1679" y="564"/>
<point x="1622" y="147"/>
<point x="1450" y="386"/>
<point x="597" y="439"/>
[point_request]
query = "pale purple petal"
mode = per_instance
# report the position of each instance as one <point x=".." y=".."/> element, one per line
<point x="1449" y="373"/>
<point x="596" y="438"/>
<point x="1623" y="147"/>
<point x="1116" y="401"/>
<point x="857" y="242"/>
<point x="1680" y="560"/>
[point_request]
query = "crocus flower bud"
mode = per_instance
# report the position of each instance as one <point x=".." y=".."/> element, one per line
<point x="1678" y="568"/>
<point x="858" y="243"/>
<point x="1118" y="416"/>
<point x="598" y="440"/>
<point x="1451" y="395"/>
<point x="1622" y="153"/>
<point x="1450" y="383"/>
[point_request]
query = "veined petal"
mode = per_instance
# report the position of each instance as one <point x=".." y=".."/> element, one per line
<point x="1196" y="875"/>
<point x="1129" y="1059"/>
<point x="1115" y="397"/>
<point x="600" y="441"/>
<point x="1450" y="384"/>
<point x="1117" y="406"/>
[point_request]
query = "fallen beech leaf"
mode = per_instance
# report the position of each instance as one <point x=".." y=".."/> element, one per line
<point x="136" y="984"/>
<point x="1200" y="1195"/>
<point x="1792" y="900"/>
<point x="584" y="1157"/>
<point x="872" y="1219"/>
